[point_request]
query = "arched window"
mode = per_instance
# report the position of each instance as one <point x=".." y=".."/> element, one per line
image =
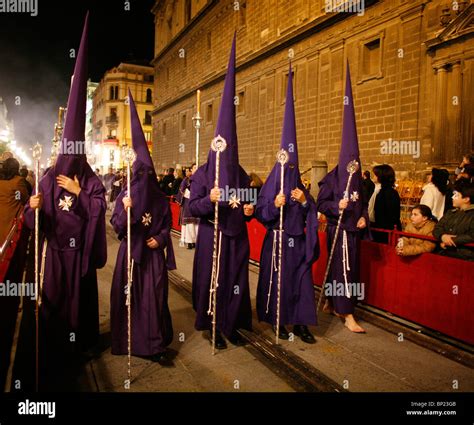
<point x="148" y="96"/>
<point x="116" y="93"/>
<point x="111" y="92"/>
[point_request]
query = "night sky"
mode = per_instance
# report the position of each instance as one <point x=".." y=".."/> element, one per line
<point x="35" y="62"/>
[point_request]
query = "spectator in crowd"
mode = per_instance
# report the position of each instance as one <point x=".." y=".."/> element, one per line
<point x="24" y="174"/>
<point x="434" y="192"/>
<point x="13" y="195"/>
<point x="422" y="223"/>
<point x="256" y="182"/>
<point x="387" y="202"/>
<point x="456" y="229"/>
<point x="467" y="159"/>
<point x="368" y="186"/>
<point x="159" y="177"/>
<point x="467" y="172"/>
<point x="108" y="180"/>
<point x="99" y="175"/>
<point x="118" y="182"/>
<point x="31" y="178"/>
<point x="178" y="179"/>
<point x="189" y="224"/>
<point x="371" y="207"/>
<point x="167" y="182"/>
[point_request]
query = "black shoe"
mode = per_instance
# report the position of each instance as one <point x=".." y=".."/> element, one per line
<point x="303" y="332"/>
<point x="282" y="333"/>
<point x="220" y="342"/>
<point x="162" y="359"/>
<point x="236" y="339"/>
<point x="190" y="246"/>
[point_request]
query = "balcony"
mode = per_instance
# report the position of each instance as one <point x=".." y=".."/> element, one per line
<point x="111" y="120"/>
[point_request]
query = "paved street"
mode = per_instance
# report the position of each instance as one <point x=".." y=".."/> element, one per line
<point x="376" y="361"/>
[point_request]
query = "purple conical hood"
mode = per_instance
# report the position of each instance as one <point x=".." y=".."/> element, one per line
<point x="232" y="176"/>
<point x="226" y="128"/>
<point x="72" y="158"/>
<point x="139" y="143"/>
<point x="148" y="200"/>
<point x="292" y="178"/>
<point x="350" y="144"/>
<point x="339" y="176"/>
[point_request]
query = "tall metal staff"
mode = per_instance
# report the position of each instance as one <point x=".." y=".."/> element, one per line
<point x="197" y="124"/>
<point x="282" y="158"/>
<point x="352" y="168"/>
<point x="129" y="156"/>
<point x="37" y="150"/>
<point x="218" y="145"/>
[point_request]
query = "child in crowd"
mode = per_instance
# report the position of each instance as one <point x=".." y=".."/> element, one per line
<point x="422" y="223"/>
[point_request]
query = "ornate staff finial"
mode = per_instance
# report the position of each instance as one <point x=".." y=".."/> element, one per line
<point x="283" y="156"/>
<point x="37" y="151"/>
<point x="352" y="167"/>
<point x="128" y="154"/>
<point x="218" y="144"/>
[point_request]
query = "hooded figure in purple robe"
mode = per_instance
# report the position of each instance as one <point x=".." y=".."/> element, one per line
<point x="72" y="219"/>
<point x="343" y="280"/>
<point x="299" y="249"/>
<point x="233" y="295"/>
<point x="151" y="330"/>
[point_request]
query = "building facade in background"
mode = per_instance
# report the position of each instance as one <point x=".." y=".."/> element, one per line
<point x="412" y="68"/>
<point x="110" y="125"/>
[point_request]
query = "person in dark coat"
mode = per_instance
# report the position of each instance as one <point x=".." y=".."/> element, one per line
<point x="333" y="200"/>
<point x="368" y="186"/>
<point x="233" y="310"/>
<point x="299" y="248"/>
<point x="168" y="182"/>
<point x="456" y="229"/>
<point x="387" y="203"/>
<point x="152" y="329"/>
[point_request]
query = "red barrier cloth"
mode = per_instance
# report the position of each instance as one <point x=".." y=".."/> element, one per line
<point x="421" y="289"/>
<point x="5" y="264"/>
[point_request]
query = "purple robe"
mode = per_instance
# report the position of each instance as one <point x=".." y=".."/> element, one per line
<point x="76" y="247"/>
<point x="332" y="190"/>
<point x="297" y="305"/>
<point x="152" y="330"/>
<point x="233" y="294"/>
<point x="328" y="204"/>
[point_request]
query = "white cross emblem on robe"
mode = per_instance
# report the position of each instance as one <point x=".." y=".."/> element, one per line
<point x="65" y="203"/>
<point x="234" y="202"/>
<point x="146" y="219"/>
<point x="354" y="196"/>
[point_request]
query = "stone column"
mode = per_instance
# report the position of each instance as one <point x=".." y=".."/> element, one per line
<point x="439" y="117"/>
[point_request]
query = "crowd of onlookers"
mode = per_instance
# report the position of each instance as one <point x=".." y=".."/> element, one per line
<point x="445" y="210"/>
